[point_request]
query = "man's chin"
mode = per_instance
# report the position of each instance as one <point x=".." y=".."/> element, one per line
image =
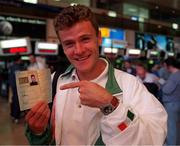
<point x="82" y="69"/>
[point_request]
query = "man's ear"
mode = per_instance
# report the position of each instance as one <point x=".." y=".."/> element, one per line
<point x="99" y="38"/>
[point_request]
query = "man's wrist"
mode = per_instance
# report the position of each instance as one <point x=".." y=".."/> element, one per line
<point x="110" y="107"/>
<point x="39" y="132"/>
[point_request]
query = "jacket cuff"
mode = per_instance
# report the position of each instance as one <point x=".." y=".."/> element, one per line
<point x="34" y="139"/>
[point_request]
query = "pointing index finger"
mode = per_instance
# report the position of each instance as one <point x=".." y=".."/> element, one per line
<point x="70" y="85"/>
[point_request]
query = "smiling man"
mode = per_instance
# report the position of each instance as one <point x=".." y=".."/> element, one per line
<point x="93" y="99"/>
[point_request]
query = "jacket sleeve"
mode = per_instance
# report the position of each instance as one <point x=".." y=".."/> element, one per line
<point x="139" y="119"/>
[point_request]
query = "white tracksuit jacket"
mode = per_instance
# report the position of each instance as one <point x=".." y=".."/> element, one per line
<point x="140" y="119"/>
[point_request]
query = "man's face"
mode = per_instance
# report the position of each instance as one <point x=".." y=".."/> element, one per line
<point x="127" y="64"/>
<point x="140" y="71"/>
<point x="81" y="46"/>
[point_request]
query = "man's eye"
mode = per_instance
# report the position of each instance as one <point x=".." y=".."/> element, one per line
<point x="86" y="39"/>
<point x="68" y="45"/>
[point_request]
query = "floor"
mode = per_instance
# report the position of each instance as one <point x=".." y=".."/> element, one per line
<point x="10" y="132"/>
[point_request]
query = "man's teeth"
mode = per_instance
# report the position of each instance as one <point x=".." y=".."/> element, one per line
<point x="79" y="59"/>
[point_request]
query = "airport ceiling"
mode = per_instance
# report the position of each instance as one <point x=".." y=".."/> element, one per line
<point x="173" y="4"/>
<point x="163" y="10"/>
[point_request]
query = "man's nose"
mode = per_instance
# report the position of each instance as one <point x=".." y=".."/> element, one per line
<point x="79" y="49"/>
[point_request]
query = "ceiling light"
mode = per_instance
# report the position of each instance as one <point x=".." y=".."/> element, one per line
<point x="170" y="54"/>
<point x="133" y="10"/>
<point x="175" y="26"/>
<point x="159" y="26"/>
<point x="31" y="1"/>
<point x="73" y="4"/>
<point x="47" y="45"/>
<point x="141" y="19"/>
<point x="154" y="53"/>
<point x="13" y="43"/>
<point x="156" y="7"/>
<point x="107" y="50"/>
<point x="134" y="51"/>
<point x="112" y="14"/>
<point x="114" y="50"/>
<point x="134" y="18"/>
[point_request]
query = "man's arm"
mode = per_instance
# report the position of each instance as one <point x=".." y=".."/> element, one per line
<point x="37" y="130"/>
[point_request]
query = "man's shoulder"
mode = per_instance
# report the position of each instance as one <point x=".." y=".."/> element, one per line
<point x="175" y="76"/>
<point x="121" y="74"/>
<point x="124" y="77"/>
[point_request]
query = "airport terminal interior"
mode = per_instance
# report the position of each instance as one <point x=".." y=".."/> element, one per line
<point x="134" y="32"/>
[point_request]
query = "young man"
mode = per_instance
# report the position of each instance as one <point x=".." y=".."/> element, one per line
<point x="171" y="101"/>
<point x="92" y="97"/>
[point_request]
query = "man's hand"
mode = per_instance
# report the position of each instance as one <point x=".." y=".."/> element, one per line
<point x="37" y="118"/>
<point x="91" y="94"/>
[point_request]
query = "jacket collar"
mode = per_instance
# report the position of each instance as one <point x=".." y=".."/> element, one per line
<point x="111" y="84"/>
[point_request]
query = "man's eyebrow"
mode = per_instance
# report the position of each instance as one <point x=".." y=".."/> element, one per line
<point x="86" y="35"/>
<point x="71" y="40"/>
<point x="66" y="41"/>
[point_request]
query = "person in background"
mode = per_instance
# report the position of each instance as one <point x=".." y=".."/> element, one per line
<point x="171" y="101"/>
<point x="16" y="66"/>
<point x="36" y="62"/>
<point x="92" y="97"/>
<point x="128" y="67"/>
<point x="150" y="80"/>
<point x="144" y="76"/>
<point x="163" y="72"/>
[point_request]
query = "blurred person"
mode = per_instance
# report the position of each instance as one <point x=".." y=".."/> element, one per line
<point x="128" y="67"/>
<point x="16" y="66"/>
<point x="150" y="80"/>
<point x="93" y="98"/>
<point x="144" y="76"/>
<point x="155" y="68"/>
<point x="36" y="62"/>
<point x="163" y="72"/>
<point x="171" y="101"/>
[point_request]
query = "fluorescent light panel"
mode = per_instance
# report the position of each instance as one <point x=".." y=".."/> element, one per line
<point x="134" y="18"/>
<point x="170" y="53"/>
<point x="110" y="50"/>
<point x="114" y="50"/>
<point x="112" y="14"/>
<point x="49" y="46"/>
<point x="107" y="50"/>
<point x="154" y="53"/>
<point x="13" y="43"/>
<point x="31" y="1"/>
<point x="134" y="51"/>
<point x="24" y="57"/>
